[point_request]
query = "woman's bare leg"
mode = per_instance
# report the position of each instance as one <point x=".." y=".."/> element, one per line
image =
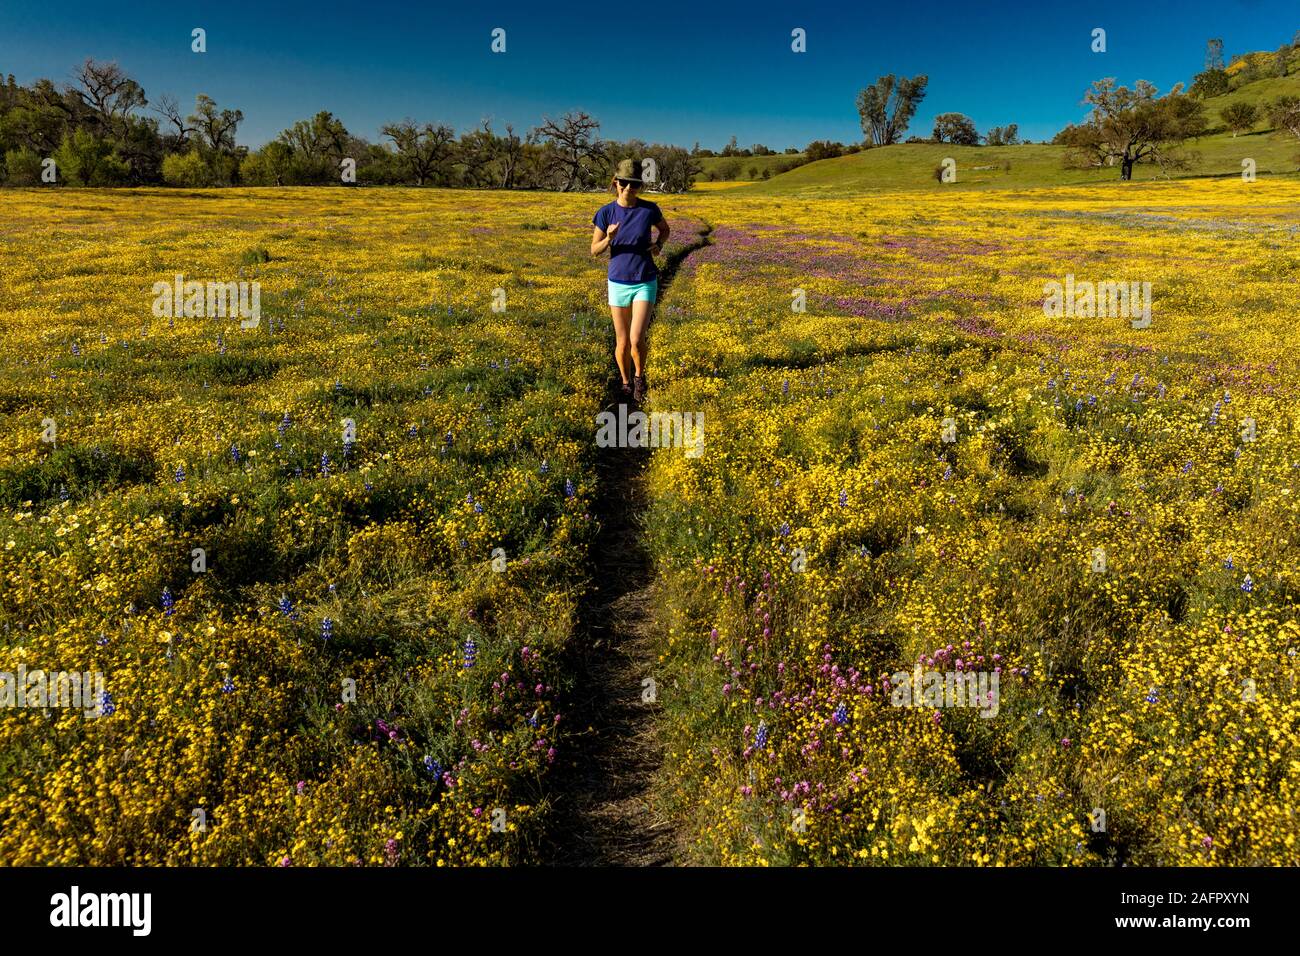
<point x="622" y="315"/>
<point x="641" y="314"/>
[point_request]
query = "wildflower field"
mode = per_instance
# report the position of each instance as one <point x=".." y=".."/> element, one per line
<point x="331" y="566"/>
<point x="1109" y="525"/>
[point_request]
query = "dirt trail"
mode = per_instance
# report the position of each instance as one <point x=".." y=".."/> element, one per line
<point x="603" y="814"/>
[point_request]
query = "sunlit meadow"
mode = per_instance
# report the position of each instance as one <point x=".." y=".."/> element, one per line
<point x="357" y="677"/>
<point x="831" y="537"/>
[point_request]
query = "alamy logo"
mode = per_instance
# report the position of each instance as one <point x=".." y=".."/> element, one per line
<point x="42" y="689"/>
<point x="657" y="430"/>
<point x="1109" y="300"/>
<point x="212" y="300"/>
<point x="103" y="909"/>
<point x="936" y="689"/>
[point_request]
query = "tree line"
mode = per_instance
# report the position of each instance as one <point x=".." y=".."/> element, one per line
<point x="101" y="130"/>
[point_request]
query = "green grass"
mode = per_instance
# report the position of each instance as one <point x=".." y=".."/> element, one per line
<point x="911" y="166"/>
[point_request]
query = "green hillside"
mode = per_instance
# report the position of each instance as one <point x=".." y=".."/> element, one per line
<point x="912" y="165"/>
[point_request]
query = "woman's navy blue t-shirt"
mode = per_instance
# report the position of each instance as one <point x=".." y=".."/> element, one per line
<point x="629" y="254"/>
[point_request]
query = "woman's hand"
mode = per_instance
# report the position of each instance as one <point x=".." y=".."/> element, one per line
<point x="609" y="233"/>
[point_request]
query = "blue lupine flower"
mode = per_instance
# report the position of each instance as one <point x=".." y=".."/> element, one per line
<point x="432" y="766"/>
<point x="1111" y="379"/>
<point x="1187" y="468"/>
<point x="569" y="490"/>
<point x="221" y="344"/>
<point x="413" y="431"/>
<point x="1214" y="414"/>
<point x="106" y="705"/>
<point x="284" y="423"/>
<point x="785" y="387"/>
<point x="1228" y="563"/>
<point x="76" y="349"/>
<point x="471" y="653"/>
<point x="841" y="715"/>
<point x="63" y="493"/>
<point x="784" y="530"/>
<point x="844" y="498"/>
<point x="1078" y="404"/>
<point x="1152" y="696"/>
<point x="234" y="453"/>
<point x="180" y="473"/>
<point x="168" y="602"/>
<point x="1248" y="585"/>
<point x="285" y="606"/>
<point x="947" y="473"/>
<point x="327" y="628"/>
<point x="760" y="737"/>
<point x="324" y="464"/>
<point x="545" y="467"/>
<point x="1092" y="399"/>
<point x="338" y="386"/>
<point x="227" y="685"/>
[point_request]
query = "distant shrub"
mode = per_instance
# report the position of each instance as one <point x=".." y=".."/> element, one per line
<point x="823" y="149"/>
<point x="254" y="256"/>
<point x="185" y="169"/>
<point x="22" y="167"/>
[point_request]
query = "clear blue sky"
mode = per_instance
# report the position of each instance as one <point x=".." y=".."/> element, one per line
<point x="660" y="71"/>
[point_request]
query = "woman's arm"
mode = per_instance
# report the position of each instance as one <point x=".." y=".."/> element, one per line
<point x="600" y="239"/>
<point x="662" y="226"/>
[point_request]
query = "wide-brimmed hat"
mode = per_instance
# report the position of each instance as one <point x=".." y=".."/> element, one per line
<point x="629" y="169"/>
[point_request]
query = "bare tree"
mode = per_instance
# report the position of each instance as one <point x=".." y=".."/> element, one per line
<point x="107" y="90"/>
<point x="170" y="110"/>
<point x="478" y="149"/>
<point x="1214" y="54"/>
<point x="576" y="147"/>
<point x="423" y="149"/>
<point x="511" y="151"/>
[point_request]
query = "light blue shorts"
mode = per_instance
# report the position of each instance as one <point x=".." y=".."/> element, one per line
<point x="625" y="293"/>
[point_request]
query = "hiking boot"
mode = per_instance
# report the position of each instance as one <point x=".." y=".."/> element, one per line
<point x="625" y="391"/>
<point x="639" y="388"/>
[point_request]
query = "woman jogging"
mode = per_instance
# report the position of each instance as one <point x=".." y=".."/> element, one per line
<point x="623" y="227"/>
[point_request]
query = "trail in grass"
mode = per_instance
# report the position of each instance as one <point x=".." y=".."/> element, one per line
<point x="602" y="791"/>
